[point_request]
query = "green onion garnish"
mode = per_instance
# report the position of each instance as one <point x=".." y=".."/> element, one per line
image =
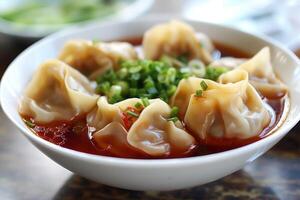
<point x="145" y="102"/>
<point x="213" y="73"/>
<point x="173" y="119"/>
<point x="203" y="85"/>
<point x="174" y="112"/>
<point x="151" y="79"/>
<point x="133" y="114"/>
<point x="199" y="93"/>
<point x="138" y="105"/>
<point x="29" y="123"/>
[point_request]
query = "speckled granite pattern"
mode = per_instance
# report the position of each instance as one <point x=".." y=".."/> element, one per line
<point x="26" y="174"/>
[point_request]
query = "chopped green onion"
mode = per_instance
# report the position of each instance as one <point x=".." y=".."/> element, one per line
<point x="197" y="68"/>
<point x="133" y="92"/>
<point x="138" y="105"/>
<point x="122" y="73"/>
<point x="199" y="93"/>
<point x="145" y="102"/>
<point x="174" y="112"/>
<point x="152" y="79"/>
<point x="133" y="114"/>
<point x="124" y="86"/>
<point x="171" y="90"/>
<point x="135" y="69"/>
<point x="29" y="123"/>
<point x="183" y="58"/>
<point x="173" y="119"/>
<point x="213" y="73"/>
<point x="203" y="85"/>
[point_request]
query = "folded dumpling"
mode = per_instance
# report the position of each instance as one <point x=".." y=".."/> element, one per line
<point x="94" y="58"/>
<point x="262" y="76"/>
<point x="229" y="110"/>
<point x="57" y="92"/>
<point x="153" y="134"/>
<point x="175" y="39"/>
<point x="150" y="132"/>
<point x="105" y="113"/>
<point x="113" y="138"/>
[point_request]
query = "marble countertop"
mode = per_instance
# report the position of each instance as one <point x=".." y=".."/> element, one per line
<point x="27" y="174"/>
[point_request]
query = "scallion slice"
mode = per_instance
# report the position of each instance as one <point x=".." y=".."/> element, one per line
<point x="29" y="123"/>
<point x="138" y="105"/>
<point x="174" y="112"/>
<point x="173" y="119"/>
<point x="145" y="102"/>
<point x="133" y="114"/>
<point x="203" y="85"/>
<point x="199" y="93"/>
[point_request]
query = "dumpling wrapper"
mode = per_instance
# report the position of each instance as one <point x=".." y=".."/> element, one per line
<point x="261" y="73"/>
<point x="113" y="138"/>
<point x="105" y="113"/>
<point x="151" y="133"/>
<point x="93" y="59"/>
<point x="174" y="39"/>
<point x="57" y="92"/>
<point x="231" y="110"/>
<point x="262" y="76"/>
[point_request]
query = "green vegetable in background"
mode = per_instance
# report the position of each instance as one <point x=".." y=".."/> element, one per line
<point x="38" y="12"/>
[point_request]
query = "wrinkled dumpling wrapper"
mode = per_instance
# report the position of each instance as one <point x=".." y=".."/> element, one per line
<point x="93" y="59"/>
<point x="262" y="75"/>
<point x="174" y="39"/>
<point x="229" y="110"/>
<point x="151" y="133"/>
<point x="57" y="92"/>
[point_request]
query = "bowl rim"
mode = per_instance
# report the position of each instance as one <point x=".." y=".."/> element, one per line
<point x="276" y="135"/>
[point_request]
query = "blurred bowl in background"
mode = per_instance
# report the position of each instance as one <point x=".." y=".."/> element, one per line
<point x="30" y="20"/>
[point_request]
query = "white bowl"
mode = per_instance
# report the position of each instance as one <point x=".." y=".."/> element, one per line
<point x="134" y="174"/>
<point x="34" y="32"/>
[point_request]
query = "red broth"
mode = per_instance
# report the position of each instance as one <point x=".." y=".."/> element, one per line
<point x="75" y="134"/>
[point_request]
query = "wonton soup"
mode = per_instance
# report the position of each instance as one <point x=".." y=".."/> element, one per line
<point x="172" y="93"/>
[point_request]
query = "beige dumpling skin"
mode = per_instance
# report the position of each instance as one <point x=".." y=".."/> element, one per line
<point x="262" y="76"/>
<point x="57" y="92"/>
<point x="155" y="135"/>
<point x="176" y="38"/>
<point x="260" y="70"/>
<point x="92" y="59"/>
<point x="151" y="133"/>
<point x="229" y="110"/>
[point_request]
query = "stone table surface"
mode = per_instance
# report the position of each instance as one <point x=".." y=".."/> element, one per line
<point x="27" y="174"/>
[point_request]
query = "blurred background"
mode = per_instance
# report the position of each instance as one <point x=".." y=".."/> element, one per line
<point x="24" y="21"/>
<point x="33" y="19"/>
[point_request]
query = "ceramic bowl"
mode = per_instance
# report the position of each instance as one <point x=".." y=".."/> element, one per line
<point x="156" y="174"/>
<point x="30" y="33"/>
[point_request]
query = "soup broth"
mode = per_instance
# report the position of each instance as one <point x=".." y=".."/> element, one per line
<point x="77" y="135"/>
